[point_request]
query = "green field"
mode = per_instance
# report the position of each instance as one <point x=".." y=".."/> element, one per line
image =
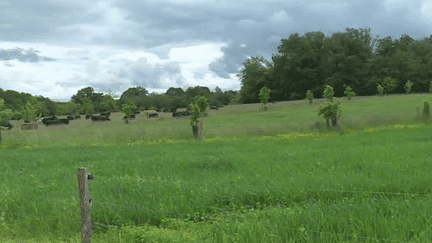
<point x="258" y="176"/>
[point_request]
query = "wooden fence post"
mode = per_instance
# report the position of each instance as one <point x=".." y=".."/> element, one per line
<point x="83" y="193"/>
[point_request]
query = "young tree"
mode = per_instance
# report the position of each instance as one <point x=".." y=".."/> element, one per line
<point x="5" y="114"/>
<point x="197" y="109"/>
<point x="348" y="92"/>
<point x="202" y="103"/>
<point x="87" y="105"/>
<point x="408" y="86"/>
<point x="426" y="110"/>
<point x="330" y="110"/>
<point x="264" y="95"/>
<point x="32" y="109"/>
<point x="389" y="84"/>
<point x="380" y="90"/>
<point x="309" y="96"/>
<point x="127" y="109"/>
<point x="430" y="88"/>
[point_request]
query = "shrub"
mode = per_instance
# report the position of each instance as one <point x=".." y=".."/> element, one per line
<point x="309" y="96"/>
<point x="330" y="110"/>
<point x="380" y="90"/>
<point x="348" y="92"/>
<point x="426" y="110"/>
<point x="408" y="86"/>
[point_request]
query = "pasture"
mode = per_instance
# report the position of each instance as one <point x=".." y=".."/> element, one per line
<point x="257" y="176"/>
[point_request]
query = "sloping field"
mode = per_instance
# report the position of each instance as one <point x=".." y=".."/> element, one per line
<point x="256" y="177"/>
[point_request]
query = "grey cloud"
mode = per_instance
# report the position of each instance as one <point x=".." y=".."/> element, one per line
<point x="16" y="54"/>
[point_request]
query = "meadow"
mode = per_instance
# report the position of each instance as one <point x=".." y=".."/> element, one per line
<point x="257" y="176"/>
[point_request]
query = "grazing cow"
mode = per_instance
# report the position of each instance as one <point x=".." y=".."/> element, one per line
<point x="77" y="117"/>
<point x="25" y="127"/>
<point x="100" y="118"/>
<point x="45" y="120"/>
<point x="64" y="121"/>
<point x="7" y="124"/>
<point x="153" y="115"/>
<point x="70" y="118"/>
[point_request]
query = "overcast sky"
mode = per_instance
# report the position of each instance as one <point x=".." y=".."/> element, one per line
<point x="55" y="48"/>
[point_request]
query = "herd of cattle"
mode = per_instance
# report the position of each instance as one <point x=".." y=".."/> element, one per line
<point x="104" y="116"/>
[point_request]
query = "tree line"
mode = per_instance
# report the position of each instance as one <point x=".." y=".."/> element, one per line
<point x="310" y="62"/>
<point x="87" y="101"/>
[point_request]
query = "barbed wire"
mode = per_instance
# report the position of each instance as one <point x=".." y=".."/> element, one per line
<point x="256" y="186"/>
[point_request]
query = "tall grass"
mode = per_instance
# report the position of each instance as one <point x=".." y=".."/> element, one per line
<point x="256" y="184"/>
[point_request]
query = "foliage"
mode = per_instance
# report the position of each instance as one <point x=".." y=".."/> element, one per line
<point x="264" y="95"/>
<point x="195" y="114"/>
<point x="253" y="76"/>
<point x="380" y="89"/>
<point x="331" y="109"/>
<point x="87" y="106"/>
<point x="128" y="107"/>
<point x="32" y="109"/>
<point x="408" y="86"/>
<point x="202" y="103"/>
<point x="389" y="84"/>
<point x="430" y="87"/>
<point x="348" y="92"/>
<point x="5" y="114"/>
<point x="309" y="96"/>
<point x="426" y="110"/>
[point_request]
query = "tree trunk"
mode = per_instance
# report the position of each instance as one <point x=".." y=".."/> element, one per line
<point x="197" y="130"/>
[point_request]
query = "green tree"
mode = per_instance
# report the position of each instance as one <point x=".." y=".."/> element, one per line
<point x="5" y="114"/>
<point x="348" y="92"/>
<point x="264" y="95"/>
<point x="128" y="108"/>
<point x="389" y="84"/>
<point x="408" y="86"/>
<point x="309" y="96"/>
<point x="202" y="103"/>
<point x="330" y="110"/>
<point x="32" y="109"/>
<point x="87" y="106"/>
<point x="380" y="89"/>
<point x="430" y="87"/>
<point x="253" y="76"/>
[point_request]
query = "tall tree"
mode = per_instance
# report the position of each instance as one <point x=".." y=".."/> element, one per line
<point x="253" y="78"/>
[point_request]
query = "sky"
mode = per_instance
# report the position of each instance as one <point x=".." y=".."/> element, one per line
<point x="54" y="48"/>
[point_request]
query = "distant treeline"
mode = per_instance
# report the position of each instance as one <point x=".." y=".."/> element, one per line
<point x="312" y="61"/>
<point x="86" y="101"/>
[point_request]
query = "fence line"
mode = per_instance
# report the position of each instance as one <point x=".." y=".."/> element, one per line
<point x="290" y="188"/>
<point x="85" y="202"/>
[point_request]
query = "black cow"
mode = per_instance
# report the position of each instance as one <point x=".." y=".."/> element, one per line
<point x="56" y="122"/>
<point x="70" y="118"/>
<point x="7" y="124"/>
<point x="64" y="121"/>
<point x="153" y="115"/>
<point x="77" y="117"/>
<point x="88" y="116"/>
<point x="45" y="120"/>
<point x="132" y="116"/>
<point x="125" y="117"/>
<point x="100" y="118"/>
